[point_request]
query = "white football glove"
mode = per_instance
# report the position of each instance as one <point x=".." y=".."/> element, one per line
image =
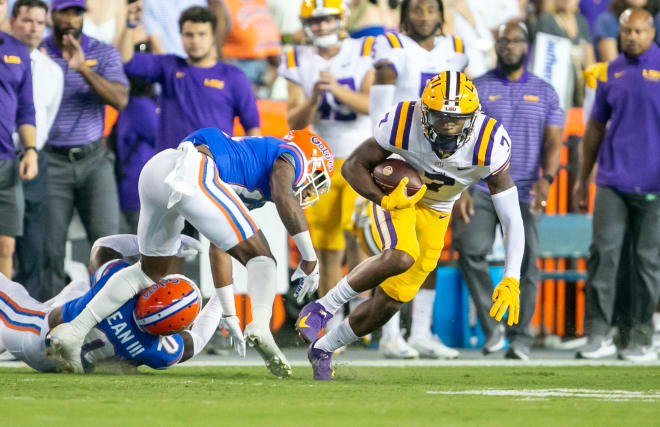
<point x="233" y="328"/>
<point x="189" y="246"/>
<point x="305" y="284"/>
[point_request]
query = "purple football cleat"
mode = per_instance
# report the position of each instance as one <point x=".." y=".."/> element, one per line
<point x="311" y="320"/>
<point x="321" y="363"/>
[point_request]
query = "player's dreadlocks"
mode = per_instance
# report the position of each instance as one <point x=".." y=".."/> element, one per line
<point x="403" y="22"/>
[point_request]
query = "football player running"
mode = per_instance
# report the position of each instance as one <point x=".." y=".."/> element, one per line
<point x="25" y="322"/>
<point x="404" y="63"/>
<point x="452" y="145"/>
<point x="328" y="88"/>
<point x="208" y="181"/>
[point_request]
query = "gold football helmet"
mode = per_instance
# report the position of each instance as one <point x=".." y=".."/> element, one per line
<point x="450" y="105"/>
<point x="315" y="10"/>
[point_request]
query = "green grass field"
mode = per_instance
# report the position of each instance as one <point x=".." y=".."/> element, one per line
<point x="361" y="396"/>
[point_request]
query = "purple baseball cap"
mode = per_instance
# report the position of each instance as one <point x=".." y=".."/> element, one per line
<point x="63" y="4"/>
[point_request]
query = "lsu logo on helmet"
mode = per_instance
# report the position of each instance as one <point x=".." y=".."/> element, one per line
<point x="169" y="306"/>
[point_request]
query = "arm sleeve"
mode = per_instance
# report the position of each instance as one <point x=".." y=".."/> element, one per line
<point x="245" y="103"/>
<point x="147" y="66"/>
<point x="25" y="114"/>
<point x="111" y="67"/>
<point x="206" y="324"/>
<point x="508" y="211"/>
<point x="125" y="244"/>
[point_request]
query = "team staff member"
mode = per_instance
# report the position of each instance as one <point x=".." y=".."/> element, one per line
<point x="528" y="108"/>
<point x="80" y="174"/>
<point x="28" y="22"/>
<point x="197" y="91"/>
<point x="622" y="135"/>
<point x="17" y="111"/>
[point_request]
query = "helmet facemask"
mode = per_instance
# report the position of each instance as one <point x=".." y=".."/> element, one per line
<point x="317" y="179"/>
<point x="327" y="40"/>
<point x="446" y="144"/>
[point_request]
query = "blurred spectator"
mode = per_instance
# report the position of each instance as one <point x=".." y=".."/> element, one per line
<point x="591" y="9"/>
<point x="161" y="19"/>
<point x="28" y="22"/>
<point x="286" y="14"/>
<point x="372" y="17"/>
<point x="528" y="107"/>
<point x="80" y="171"/>
<point x="104" y="20"/>
<point x="622" y="136"/>
<point x="17" y="111"/>
<point x="253" y="42"/>
<point x="471" y="27"/>
<point x="135" y="143"/>
<point x="566" y="22"/>
<point x="606" y="32"/>
<point x="198" y="91"/>
<point x="4" y="24"/>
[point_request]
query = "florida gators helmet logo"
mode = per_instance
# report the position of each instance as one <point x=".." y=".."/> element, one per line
<point x="169" y="306"/>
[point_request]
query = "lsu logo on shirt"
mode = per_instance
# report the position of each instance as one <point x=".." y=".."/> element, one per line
<point x="91" y="62"/>
<point x="651" y="75"/>
<point x="12" y="59"/>
<point x="214" y="83"/>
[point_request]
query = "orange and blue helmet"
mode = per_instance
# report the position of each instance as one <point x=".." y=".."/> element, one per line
<point x="169" y="306"/>
<point x="319" y="165"/>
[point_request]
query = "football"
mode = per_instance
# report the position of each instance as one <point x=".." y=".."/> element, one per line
<point x="388" y="174"/>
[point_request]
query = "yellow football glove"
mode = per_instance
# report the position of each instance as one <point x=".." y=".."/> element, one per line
<point x="506" y="295"/>
<point x="398" y="199"/>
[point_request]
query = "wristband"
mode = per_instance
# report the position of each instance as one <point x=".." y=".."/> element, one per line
<point x="26" y="149"/>
<point x="129" y="25"/>
<point x="304" y="244"/>
<point x="548" y="178"/>
<point x="226" y="297"/>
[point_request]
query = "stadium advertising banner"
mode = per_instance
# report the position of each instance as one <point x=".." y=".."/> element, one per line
<point x="552" y="62"/>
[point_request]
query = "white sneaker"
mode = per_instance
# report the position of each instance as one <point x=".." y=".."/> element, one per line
<point x="597" y="348"/>
<point x="396" y="348"/>
<point x="262" y="341"/>
<point x="639" y="354"/>
<point x="432" y="348"/>
<point x="63" y="346"/>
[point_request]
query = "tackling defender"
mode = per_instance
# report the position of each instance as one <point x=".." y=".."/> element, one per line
<point x="25" y="322"/>
<point x="447" y="139"/>
<point x="404" y="63"/>
<point x="328" y="86"/>
<point x="201" y="182"/>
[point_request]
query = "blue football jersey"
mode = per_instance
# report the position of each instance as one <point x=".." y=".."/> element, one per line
<point x="245" y="162"/>
<point x="118" y="336"/>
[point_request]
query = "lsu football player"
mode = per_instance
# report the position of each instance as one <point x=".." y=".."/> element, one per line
<point x="124" y="336"/>
<point x="404" y="63"/>
<point x="210" y="180"/>
<point x="328" y="88"/>
<point x="452" y="145"/>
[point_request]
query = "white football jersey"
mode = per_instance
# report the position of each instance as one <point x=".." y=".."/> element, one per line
<point x="486" y="153"/>
<point x="337" y="124"/>
<point x="414" y="65"/>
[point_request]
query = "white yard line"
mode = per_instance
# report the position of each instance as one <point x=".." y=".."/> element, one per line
<point x="543" y="393"/>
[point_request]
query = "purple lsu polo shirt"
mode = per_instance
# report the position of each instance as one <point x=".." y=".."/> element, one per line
<point x="629" y="102"/>
<point x="15" y="92"/>
<point x="524" y="107"/>
<point x="80" y="118"/>
<point x="194" y="97"/>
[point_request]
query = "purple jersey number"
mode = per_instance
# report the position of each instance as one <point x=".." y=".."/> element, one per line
<point x="332" y="109"/>
<point x="425" y="79"/>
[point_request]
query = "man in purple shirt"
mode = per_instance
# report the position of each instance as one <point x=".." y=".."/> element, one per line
<point x="528" y="107"/>
<point x="17" y="112"/>
<point x="623" y="136"/>
<point x="197" y="91"/>
<point x="80" y="173"/>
